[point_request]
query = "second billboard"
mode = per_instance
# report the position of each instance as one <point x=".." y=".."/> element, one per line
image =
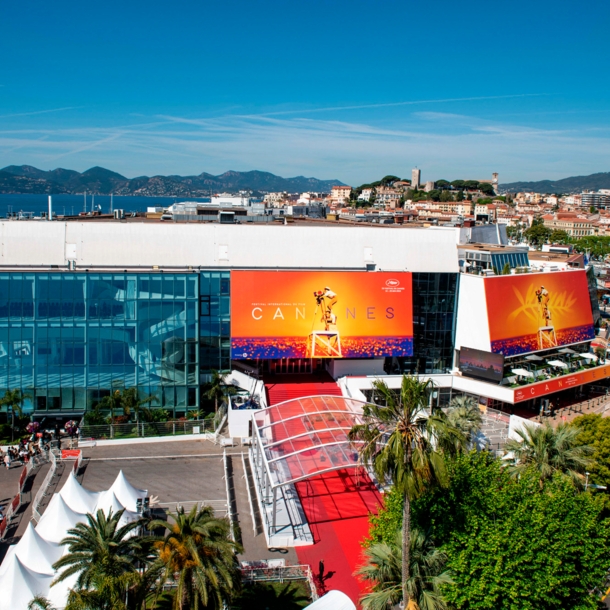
<point x="320" y="314"/>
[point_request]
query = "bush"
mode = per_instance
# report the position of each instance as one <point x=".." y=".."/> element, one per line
<point x="5" y="431"/>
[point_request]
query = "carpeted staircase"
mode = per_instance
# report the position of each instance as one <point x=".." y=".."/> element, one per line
<point x="286" y="387"/>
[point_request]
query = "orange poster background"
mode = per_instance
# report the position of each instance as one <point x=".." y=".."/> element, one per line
<point x="514" y="311"/>
<point x="366" y="294"/>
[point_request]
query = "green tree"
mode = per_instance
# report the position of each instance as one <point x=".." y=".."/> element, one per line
<point x="400" y="441"/>
<point x="510" y="545"/>
<point x="442" y="184"/>
<point x="460" y="196"/>
<point x="464" y="415"/>
<point x="13" y="400"/>
<point x="446" y="196"/>
<point x="133" y="402"/>
<point x="217" y="388"/>
<point x="471" y="185"/>
<point x="113" y="402"/>
<point x="265" y="596"/>
<point x="458" y="184"/>
<point x="40" y="603"/>
<point x="559" y="237"/>
<point x="434" y="195"/>
<point x="548" y="450"/>
<point x="595" y="432"/>
<point x="593" y="210"/>
<point x="486" y="188"/>
<point x="198" y="555"/>
<point x="537" y="234"/>
<point x="106" y="556"/>
<point x="382" y="571"/>
<point x="389" y="180"/>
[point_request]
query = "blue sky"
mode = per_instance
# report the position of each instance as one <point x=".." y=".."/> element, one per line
<point x="349" y="90"/>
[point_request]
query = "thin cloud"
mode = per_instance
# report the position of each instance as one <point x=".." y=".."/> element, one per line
<point x="8" y="116"/>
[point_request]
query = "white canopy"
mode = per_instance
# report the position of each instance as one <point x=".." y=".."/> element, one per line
<point x="58" y="594"/>
<point x="35" y="553"/>
<point x="108" y="501"/>
<point x="533" y="357"/>
<point x="522" y="372"/>
<point x="558" y="364"/>
<point x="333" y="600"/>
<point x="18" y="585"/>
<point x="58" y="518"/>
<point x="126" y="493"/>
<point x="78" y="498"/>
<point x="591" y="357"/>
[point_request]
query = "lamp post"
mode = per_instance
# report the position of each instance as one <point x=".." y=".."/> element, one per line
<point x="586" y="481"/>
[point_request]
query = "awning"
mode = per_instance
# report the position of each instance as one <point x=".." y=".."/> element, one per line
<point x="522" y="373"/>
<point x="591" y="357"/>
<point x="566" y="350"/>
<point x="533" y="357"/>
<point x="558" y="363"/>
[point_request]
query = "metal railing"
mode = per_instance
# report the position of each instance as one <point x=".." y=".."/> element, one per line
<point x="228" y="490"/>
<point x="146" y="429"/>
<point x="42" y="492"/>
<point x="261" y="571"/>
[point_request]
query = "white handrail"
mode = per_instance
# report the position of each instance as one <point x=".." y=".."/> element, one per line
<point x="229" y="511"/>
<point x="42" y="492"/>
<point x="243" y="461"/>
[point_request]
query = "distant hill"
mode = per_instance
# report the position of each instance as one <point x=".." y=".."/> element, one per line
<point x="575" y="184"/>
<point x="28" y="179"/>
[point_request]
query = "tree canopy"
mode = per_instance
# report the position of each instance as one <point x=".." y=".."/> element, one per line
<point x="510" y="545"/>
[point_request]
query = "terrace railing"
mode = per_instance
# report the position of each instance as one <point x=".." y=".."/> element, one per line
<point x="146" y="429"/>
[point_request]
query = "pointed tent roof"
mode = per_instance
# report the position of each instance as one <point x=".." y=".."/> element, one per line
<point x="19" y="585"/>
<point x="57" y="520"/>
<point x="78" y="498"/>
<point x="126" y="493"/>
<point x="108" y="501"/>
<point x="35" y="553"/>
<point x="58" y="594"/>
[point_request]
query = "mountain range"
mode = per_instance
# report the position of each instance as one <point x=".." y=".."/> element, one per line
<point x="574" y="184"/>
<point x="28" y="179"/>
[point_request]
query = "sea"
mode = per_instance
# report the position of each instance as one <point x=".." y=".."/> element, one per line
<point x="72" y="205"/>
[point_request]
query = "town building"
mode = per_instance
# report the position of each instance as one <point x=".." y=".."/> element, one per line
<point x="415" y="178"/>
<point x="340" y="194"/>
<point x="573" y="224"/>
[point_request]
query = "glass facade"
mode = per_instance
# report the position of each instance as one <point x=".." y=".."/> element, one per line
<point x="512" y="259"/>
<point x="434" y="316"/>
<point x="68" y="339"/>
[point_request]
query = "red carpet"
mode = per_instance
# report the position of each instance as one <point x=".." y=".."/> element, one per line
<point x="337" y="506"/>
<point x="286" y="387"/>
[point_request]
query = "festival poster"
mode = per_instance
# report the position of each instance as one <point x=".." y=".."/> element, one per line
<point x="320" y="314"/>
<point x="537" y="311"/>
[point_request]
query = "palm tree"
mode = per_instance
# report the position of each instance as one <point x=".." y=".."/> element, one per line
<point x="14" y="400"/>
<point x="40" y="603"/>
<point x="112" y="402"/>
<point x="402" y="442"/>
<point x="549" y="450"/>
<point x="218" y="388"/>
<point x="464" y="414"/>
<point x="131" y="401"/>
<point x="427" y="571"/>
<point x="198" y="554"/>
<point x="264" y="596"/>
<point x="106" y="557"/>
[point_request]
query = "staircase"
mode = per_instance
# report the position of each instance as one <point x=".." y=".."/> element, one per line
<point x="280" y="388"/>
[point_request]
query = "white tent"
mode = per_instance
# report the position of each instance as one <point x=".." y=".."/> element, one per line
<point x="57" y="519"/>
<point x="126" y="493"/>
<point x="108" y="501"/>
<point x="333" y="600"/>
<point x="58" y="594"/>
<point x="18" y="585"/>
<point x="78" y="498"/>
<point x="35" y="553"/>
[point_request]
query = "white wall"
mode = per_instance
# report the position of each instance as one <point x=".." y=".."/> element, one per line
<point x="133" y="244"/>
<point x="472" y="328"/>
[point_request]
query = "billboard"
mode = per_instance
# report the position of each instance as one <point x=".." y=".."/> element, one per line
<point x="320" y="314"/>
<point x="536" y="311"/>
<point x="481" y="365"/>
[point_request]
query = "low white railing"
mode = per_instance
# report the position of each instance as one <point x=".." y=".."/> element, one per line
<point x="42" y="492"/>
<point x="228" y="490"/>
